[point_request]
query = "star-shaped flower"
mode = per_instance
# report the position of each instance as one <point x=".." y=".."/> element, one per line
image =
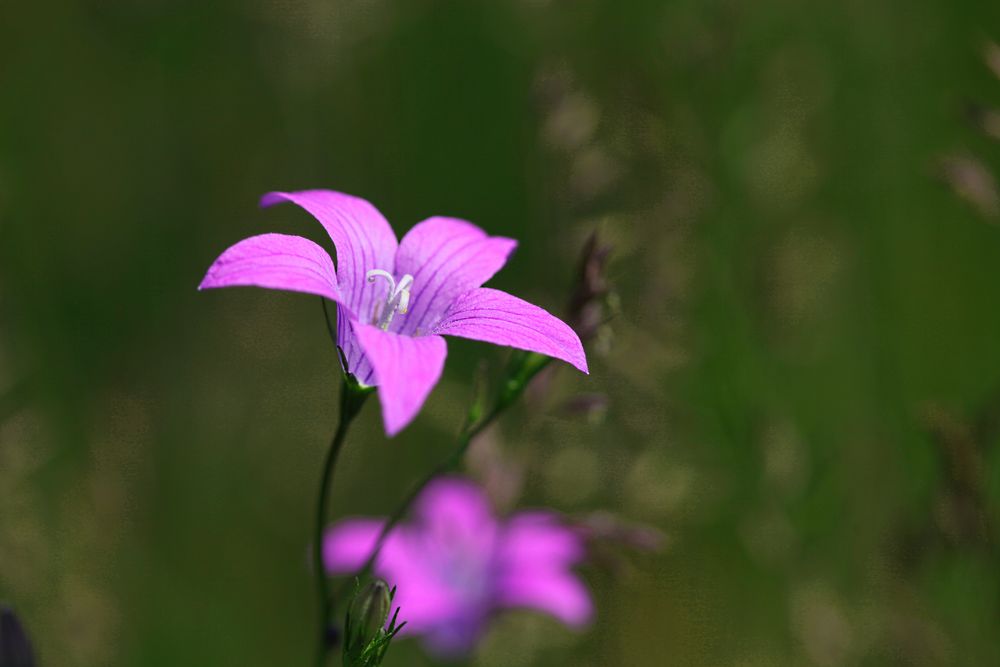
<point x="396" y="299"/>
<point x="455" y="564"/>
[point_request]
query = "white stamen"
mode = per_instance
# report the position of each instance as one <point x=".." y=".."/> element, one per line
<point x="379" y="273"/>
<point x="397" y="299"/>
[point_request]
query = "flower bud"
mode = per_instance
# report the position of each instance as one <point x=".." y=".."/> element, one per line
<point x="368" y="614"/>
<point x="589" y="302"/>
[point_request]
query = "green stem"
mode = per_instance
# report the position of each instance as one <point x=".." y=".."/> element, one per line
<point x="351" y="400"/>
<point x="523" y="369"/>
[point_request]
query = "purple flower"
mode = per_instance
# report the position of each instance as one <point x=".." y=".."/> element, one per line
<point x="456" y="564"/>
<point x="396" y="299"/>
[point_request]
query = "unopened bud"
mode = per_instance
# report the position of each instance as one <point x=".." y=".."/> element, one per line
<point x="368" y="614"/>
<point x="588" y="305"/>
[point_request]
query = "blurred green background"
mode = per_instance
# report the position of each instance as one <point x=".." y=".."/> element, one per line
<point x="803" y="380"/>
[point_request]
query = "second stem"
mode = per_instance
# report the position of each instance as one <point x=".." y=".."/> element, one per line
<point x="351" y="400"/>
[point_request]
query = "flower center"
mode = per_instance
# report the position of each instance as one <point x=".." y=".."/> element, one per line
<point x="397" y="299"/>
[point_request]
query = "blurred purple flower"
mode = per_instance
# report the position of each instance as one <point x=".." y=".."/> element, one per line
<point x="396" y="299"/>
<point x="456" y="564"/>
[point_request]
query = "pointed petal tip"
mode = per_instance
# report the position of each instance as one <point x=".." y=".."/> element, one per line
<point x="575" y="358"/>
<point x="394" y="421"/>
<point x="511" y="244"/>
<point x="271" y="198"/>
<point x="575" y="355"/>
<point x="571" y="348"/>
<point x="209" y="281"/>
<point x="579" y="361"/>
<point x="206" y="282"/>
<point x="392" y="429"/>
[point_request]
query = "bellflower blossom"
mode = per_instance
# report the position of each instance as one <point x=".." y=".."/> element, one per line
<point x="396" y="299"/>
<point x="456" y="564"/>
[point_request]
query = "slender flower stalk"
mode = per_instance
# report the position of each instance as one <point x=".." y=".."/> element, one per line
<point x="352" y="398"/>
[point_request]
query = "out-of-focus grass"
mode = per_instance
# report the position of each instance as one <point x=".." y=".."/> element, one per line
<point x="802" y="378"/>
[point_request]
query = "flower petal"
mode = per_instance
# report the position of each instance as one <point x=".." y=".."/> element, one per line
<point x="354" y="357"/>
<point x="361" y="235"/>
<point x="497" y="317"/>
<point x="534" y="562"/>
<point x="539" y="539"/>
<point x="552" y="590"/>
<point x="275" y="261"/>
<point x="405" y="369"/>
<point x="453" y="537"/>
<point x="348" y="544"/>
<point x="456" y="512"/>
<point x="446" y="258"/>
<point x="454" y="638"/>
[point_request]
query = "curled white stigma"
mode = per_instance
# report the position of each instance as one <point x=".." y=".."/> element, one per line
<point x="397" y="299"/>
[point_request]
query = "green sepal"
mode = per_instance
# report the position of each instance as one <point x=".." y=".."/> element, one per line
<point x="366" y="640"/>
